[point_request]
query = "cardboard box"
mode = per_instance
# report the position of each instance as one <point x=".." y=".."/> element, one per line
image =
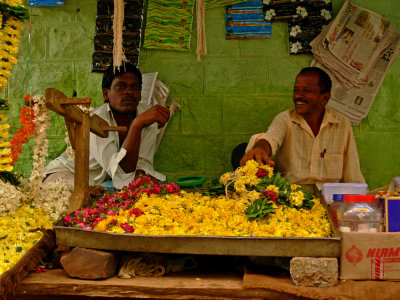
<point x="373" y="256"/>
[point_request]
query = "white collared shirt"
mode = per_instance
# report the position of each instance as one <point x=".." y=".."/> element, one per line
<point x="106" y="153"/>
<point x="303" y="158"/>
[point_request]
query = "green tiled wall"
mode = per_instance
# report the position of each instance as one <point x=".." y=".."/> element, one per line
<point x="232" y="93"/>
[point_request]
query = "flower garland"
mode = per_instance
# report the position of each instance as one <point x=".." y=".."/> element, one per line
<point x="9" y="39"/>
<point x="40" y="151"/>
<point x="5" y="151"/>
<point x="52" y="197"/>
<point x="22" y="134"/>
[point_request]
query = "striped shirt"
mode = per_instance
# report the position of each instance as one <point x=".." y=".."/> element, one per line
<point x="331" y="156"/>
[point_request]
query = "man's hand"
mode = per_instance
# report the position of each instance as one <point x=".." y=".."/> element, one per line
<point x="157" y="113"/>
<point x="260" y="152"/>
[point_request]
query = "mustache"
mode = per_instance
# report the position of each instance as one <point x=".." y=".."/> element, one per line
<point x="130" y="99"/>
<point x="300" y="99"/>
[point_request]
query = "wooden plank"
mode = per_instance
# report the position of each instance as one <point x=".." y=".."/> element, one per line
<point x="216" y="285"/>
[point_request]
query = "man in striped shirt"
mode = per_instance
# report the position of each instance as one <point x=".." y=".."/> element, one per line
<point x="315" y="144"/>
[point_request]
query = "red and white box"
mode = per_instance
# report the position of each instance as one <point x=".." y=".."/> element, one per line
<point x="373" y="256"/>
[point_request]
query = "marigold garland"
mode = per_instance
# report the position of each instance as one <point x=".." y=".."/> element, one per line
<point x="5" y="150"/>
<point x="9" y="39"/>
<point x="22" y="134"/>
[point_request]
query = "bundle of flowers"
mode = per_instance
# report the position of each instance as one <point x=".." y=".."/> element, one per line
<point x="264" y="190"/>
<point x="258" y="203"/>
<point x="18" y="233"/>
<point x="113" y="204"/>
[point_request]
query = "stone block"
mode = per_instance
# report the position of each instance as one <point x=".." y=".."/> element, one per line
<point x="89" y="263"/>
<point x="311" y="271"/>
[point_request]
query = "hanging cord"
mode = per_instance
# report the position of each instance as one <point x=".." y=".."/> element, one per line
<point x="201" y="29"/>
<point x="118" y="22"/>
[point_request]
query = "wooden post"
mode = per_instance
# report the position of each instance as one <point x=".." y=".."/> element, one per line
<point x="79" y="125"/>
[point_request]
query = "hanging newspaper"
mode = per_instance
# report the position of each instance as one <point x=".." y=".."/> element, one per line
<point x="357" y="49"/>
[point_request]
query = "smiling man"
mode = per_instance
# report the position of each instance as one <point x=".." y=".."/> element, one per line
<point x="315" y="144"/>
<point x="122" y="155"/>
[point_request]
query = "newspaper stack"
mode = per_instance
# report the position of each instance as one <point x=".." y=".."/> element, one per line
<point x="357" y="49"/>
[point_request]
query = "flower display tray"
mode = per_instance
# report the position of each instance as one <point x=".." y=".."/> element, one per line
<point x="201" y="244"/>
<point x="210" y="245"/>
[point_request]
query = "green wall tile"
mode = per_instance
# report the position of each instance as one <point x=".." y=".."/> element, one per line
<point x="180" y="153"/>
<point x="38" y="38"/>
<point x="182" y="76"/>
<point x="276" y="46"/>
<point x="216" y="156"/>
<point x="282" y="72"/>
<point x="377" y="151"/>
<point x="86" y="11"/>
<point x="58" y="75"/>
<point x="88" y="83"/>
<point x="201" y="116"/>
<point x="235" y="76"/>
<point x="71" y="41"/>
<point x="251" y="114"/>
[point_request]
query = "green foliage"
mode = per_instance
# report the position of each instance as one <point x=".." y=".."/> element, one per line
<point x="260" y="209"/>
<point x="9" y="177"/>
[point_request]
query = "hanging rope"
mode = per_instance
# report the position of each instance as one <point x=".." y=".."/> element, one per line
<point x="201" y="29"/>
<point x="118" y="22"/>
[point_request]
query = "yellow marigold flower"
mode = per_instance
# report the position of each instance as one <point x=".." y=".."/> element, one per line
<point x="294" y="187"/>
<point x="273" y="188"/>
<point x="296" y="198"/>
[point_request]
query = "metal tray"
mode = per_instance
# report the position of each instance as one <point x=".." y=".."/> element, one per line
<point x="209" y="245"/>
<point x="212" y="245"/>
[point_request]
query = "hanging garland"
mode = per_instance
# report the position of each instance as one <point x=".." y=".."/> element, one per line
<point x="27" y="130"/>
<point x="5" y="150"/>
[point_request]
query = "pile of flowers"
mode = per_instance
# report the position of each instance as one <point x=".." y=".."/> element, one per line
<point x="120" y="202"/>
<point x="255" y="203"/>
<point x="16" y="237"/>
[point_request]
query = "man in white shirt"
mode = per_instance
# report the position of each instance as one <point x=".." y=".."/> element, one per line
<point x="316" y="144"/>
<point x="122" y="155"/>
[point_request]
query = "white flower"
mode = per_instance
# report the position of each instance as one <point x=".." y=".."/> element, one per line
<point x="326" y="14"/>
<point x="301" y="11"/>
<point x="269" y="14"/>
<point x="267" y="2"/>
<point x="295" y="30"/>
<point x="327" y="1"/>
<point x="295" y="47"/>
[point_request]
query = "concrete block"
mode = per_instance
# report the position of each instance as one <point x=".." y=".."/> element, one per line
<point x="311" y="271"/>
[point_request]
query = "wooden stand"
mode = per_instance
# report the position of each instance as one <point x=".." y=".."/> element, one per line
<point x="79" y="125"/>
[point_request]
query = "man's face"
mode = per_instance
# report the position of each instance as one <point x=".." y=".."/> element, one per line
<point x="307" y="97"/>
<point x="124" y="94"/>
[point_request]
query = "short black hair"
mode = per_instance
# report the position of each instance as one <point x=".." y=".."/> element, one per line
<point x="325" y="82"/>
<point x="109" y="74"/>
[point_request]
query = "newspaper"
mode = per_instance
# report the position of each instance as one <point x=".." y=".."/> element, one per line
<point x="357" y="49"/>
<point x="148" y="82"/>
